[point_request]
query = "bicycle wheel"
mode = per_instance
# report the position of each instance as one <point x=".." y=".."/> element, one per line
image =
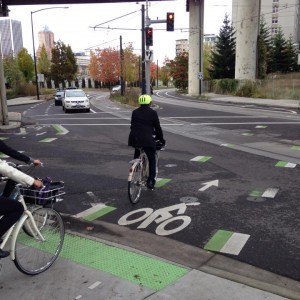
<point x="32" y="254"/>
<point x="135" y="184"/>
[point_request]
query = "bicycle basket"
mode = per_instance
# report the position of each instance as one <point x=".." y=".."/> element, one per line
<point x="40" y="197"/>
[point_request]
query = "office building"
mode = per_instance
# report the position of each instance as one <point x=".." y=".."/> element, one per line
<point x="10" y="36"/>
<point x="46" y="38"/>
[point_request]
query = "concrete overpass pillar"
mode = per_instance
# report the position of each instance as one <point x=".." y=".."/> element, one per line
<point x="247" y="29"/>
<point x="196" y="21"/>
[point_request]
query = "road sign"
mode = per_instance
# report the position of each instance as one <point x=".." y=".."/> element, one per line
<point x="149" y="55"/>
<point x="200" y="75"/>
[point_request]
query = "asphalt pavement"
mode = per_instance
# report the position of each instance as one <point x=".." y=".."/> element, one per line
<point x="209" y="275"/>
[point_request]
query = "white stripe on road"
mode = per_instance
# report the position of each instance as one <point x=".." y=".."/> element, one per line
<point x="235" y="243"/>
<point x="90" y="210"/>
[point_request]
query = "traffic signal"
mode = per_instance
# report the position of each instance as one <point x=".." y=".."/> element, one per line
<point x="149" y="36"/>
<point x="170" y="21"/>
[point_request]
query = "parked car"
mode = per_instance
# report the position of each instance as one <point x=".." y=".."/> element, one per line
<point x="75" y="100"/>
<point x="116" y="88"/>
<point x="58" y="98"/>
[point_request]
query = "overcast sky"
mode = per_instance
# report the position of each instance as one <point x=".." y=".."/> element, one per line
<point x="75" y="26"/>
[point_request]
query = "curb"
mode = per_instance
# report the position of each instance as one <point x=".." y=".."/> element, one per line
<point x="185" y="255"/>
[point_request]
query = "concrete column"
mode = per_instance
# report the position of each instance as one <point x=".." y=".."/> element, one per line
<point x="247" y="26"/>
<point x="196" y="21"/>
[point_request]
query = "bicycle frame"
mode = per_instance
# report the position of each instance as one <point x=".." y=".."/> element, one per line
<point x="12" y="232"/>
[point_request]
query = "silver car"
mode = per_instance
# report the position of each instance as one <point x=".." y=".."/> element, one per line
<point x="75" y="100"/>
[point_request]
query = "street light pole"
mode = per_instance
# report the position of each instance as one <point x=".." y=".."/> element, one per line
<point x="34" y="60"/>
<point x="34" y="56"/>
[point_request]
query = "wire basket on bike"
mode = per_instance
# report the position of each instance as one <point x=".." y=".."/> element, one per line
<point x="42" y="197"/>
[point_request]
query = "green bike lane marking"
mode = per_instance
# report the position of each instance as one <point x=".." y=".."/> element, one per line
<point x="201" y="158"/>
<point x="285" y="164"/>
<point x="137" y="268"/>
<point x="227" y="242"/>
<point x="47" y="140"/>
<point x="60" y="129"/>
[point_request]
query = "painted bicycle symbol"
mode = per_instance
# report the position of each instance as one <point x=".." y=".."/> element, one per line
<point x="162" y="216"/>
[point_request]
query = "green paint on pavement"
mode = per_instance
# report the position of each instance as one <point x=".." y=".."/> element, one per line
<point x="205" y="158"/>
<point x="218" y="240"/>
<point x="48" y="140"/>
<point x="161" y="182"/>
<point x="97" y="214"/>
<point x="142" y="270"/>
<point x="281" y="163"/>
<point x="255" y="194"/>
<point x="2" y="155"/>
<point x="247" y="134"/>
<point x="295" y="147"/>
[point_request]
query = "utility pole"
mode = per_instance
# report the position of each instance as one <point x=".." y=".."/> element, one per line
<point x="143" y="51"/>
<point x="121" y="71"/>
<point x="3" y="103"/>
<point x="147" y="62"/>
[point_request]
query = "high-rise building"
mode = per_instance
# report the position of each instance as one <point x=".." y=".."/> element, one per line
<point x="182" y="46"/>
<point x="277" y="13"/>
<point x="10" y="36"/>
<point x="46" y="38"/>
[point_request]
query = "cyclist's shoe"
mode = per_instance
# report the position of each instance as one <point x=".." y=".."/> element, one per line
<point x="150" y="185"/>
<point x="3" y="253"/>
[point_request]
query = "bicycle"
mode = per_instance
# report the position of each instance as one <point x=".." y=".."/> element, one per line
<point x="37" y="238"/>
<point x="139" y="172"/>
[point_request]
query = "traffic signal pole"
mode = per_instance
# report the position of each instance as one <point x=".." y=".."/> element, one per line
<point x="147" y="62"/>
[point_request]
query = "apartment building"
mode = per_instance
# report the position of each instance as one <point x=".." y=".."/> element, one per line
<point x="183" y="44"/>
<point x="277" y="13"/>
<point x="10" y="37"/>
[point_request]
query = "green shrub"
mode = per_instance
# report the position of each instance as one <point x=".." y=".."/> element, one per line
<point x="130" y="97"/>
<point x="246" y="89"/>
<point x="224" y="86"/>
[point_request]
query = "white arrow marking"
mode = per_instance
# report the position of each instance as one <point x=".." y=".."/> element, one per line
<point x="209" y="184"/>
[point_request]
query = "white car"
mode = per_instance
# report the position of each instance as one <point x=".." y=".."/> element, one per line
<point x="116" y="88"/>
<point x="75" y="100"/>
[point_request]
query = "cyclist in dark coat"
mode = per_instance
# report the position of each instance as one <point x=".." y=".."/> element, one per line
<point x="145" y="130"/>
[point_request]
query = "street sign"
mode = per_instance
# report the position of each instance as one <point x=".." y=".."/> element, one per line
<point x="200" y="75"/>
<point x="149" y="55"/>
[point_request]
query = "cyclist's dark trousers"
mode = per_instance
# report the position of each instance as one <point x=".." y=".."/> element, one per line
<point x="9" y="187"/>
<point x="150" y="152"/>
<point x="11" y="210"/>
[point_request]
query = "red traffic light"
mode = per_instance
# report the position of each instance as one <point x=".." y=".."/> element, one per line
<point x="170" y="21"/>
<point x="149" y="36"/>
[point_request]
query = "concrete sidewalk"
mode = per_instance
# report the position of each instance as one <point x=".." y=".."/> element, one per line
<point x="210" y="276"/>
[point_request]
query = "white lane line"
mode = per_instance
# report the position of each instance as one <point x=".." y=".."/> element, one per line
<point x="90" y="211"/>
<point x="270" y="193"/>
<point x="110" y="124"/>
<point x="91" y="287"/>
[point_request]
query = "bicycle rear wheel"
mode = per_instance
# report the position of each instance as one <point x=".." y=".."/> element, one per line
<point x="32" y="254"/>
<point x="135" y="184"/>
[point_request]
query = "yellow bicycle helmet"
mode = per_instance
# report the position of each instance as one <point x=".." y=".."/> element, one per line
<point x="145" y="99"/>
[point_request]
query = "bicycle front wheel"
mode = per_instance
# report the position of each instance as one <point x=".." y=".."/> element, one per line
<point x="135" y="184"/>
<point x="35" y="254"/>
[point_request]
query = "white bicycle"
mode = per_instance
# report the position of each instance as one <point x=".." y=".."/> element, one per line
<point x="37" y="238"/>
<point x="139" y="172"/>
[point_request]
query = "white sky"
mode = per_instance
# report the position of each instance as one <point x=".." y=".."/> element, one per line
<point x="73" y="25"/>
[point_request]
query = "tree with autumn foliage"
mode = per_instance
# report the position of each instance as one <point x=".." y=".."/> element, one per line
<point x="178" y="69"/>
<point x="105" y="65"/>
<point x="130" y="65"/>
<point x="153" y="73"/>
